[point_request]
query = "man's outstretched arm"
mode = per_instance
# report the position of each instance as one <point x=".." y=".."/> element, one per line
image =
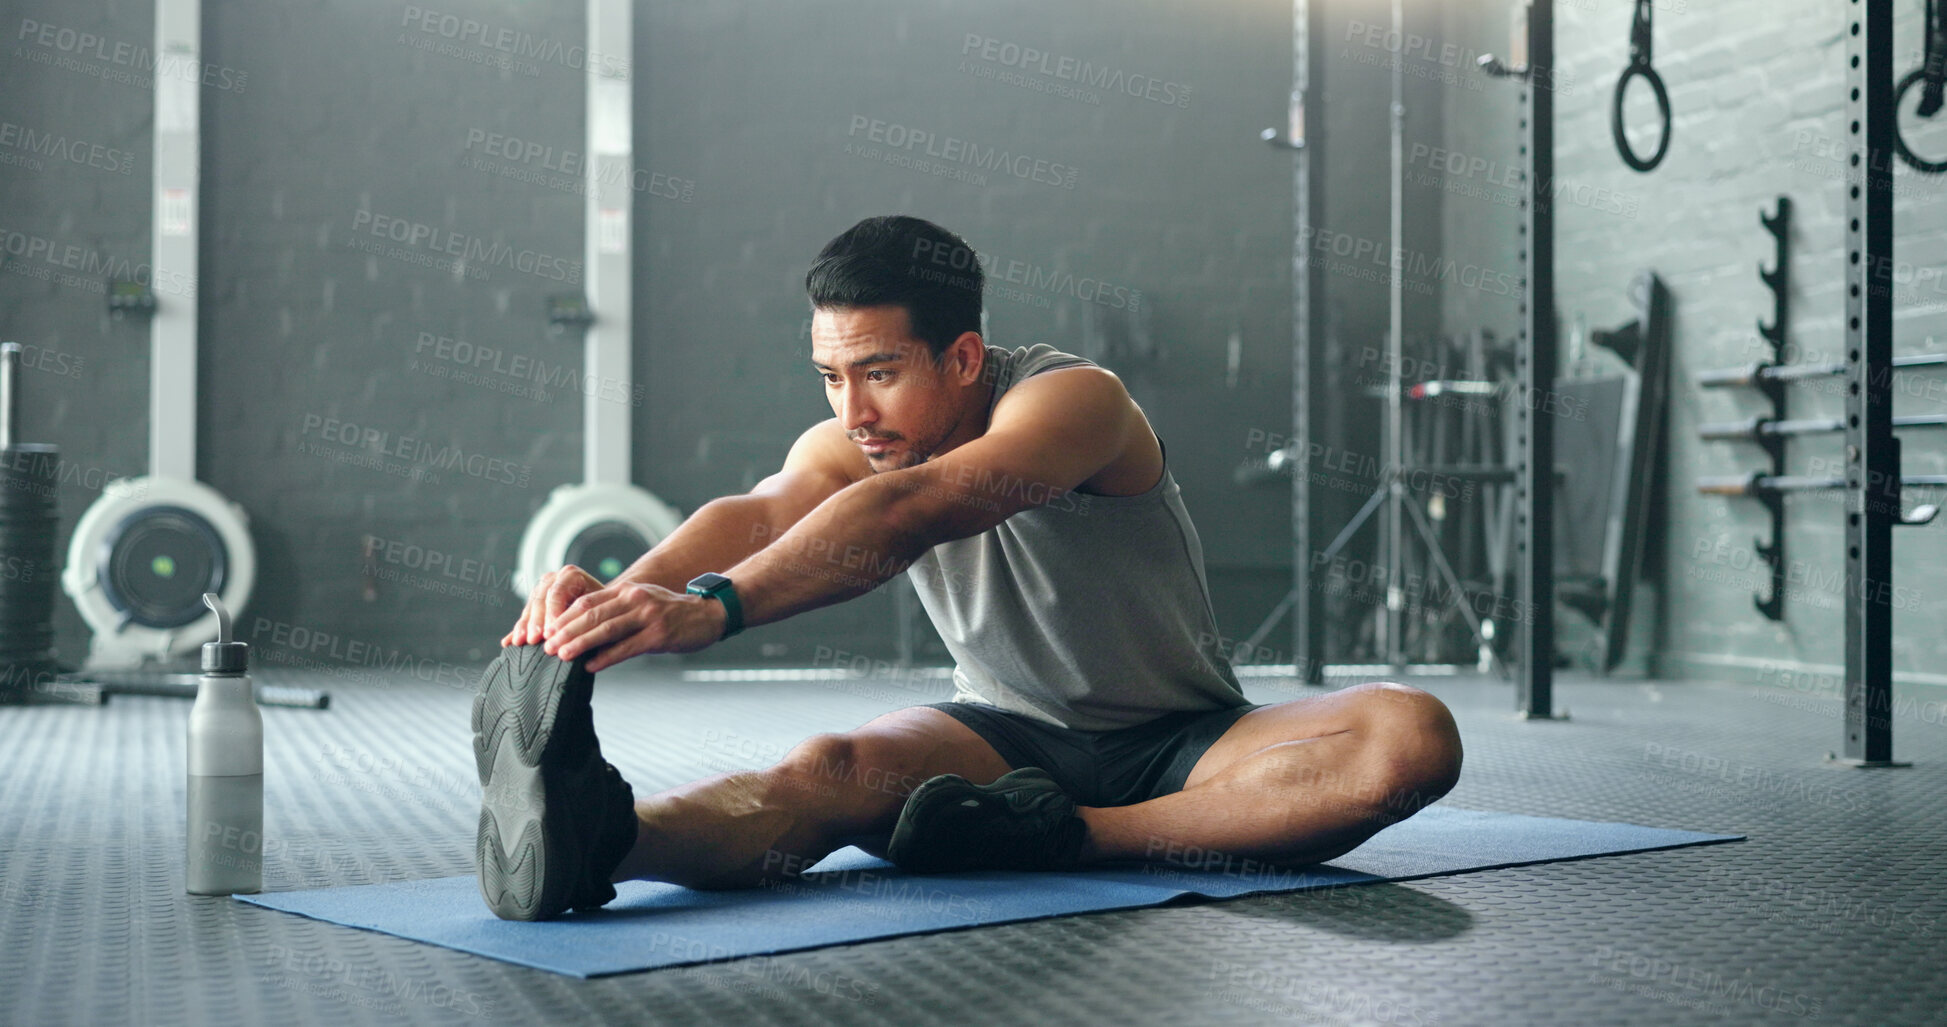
<point x="1048" y="435"/>
<point x="718" y="534"/>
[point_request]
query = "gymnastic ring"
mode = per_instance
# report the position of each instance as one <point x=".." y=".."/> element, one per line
<point x="1616" y="116"/>
<point x="1930" y="167"/>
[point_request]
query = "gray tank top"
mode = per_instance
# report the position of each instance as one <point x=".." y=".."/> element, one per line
<point x="1089" y="612"/>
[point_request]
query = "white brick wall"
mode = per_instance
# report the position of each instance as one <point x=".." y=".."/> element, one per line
<point x="1757" y="90"/>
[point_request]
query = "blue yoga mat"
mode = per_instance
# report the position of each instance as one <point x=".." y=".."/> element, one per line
<point x="851" y="896"/>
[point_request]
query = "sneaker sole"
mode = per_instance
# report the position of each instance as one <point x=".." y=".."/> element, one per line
<point x="905" y="847"/>
<point x="514" y="715"/>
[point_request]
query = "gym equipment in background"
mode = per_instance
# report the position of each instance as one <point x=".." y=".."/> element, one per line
<point x="604" y="522"/>
<point x="29" y="521"/>
<point x="1532" y="453"/>
<point x="1533" y="65"/>
<point x="1640" y="67"/>
<point x="146" y="551"/>
<point x="144" y="554"/>
<point x="1871" y="478"/>
<point x="1453" y="446"/>
<point x="1309" y="324"/>
<point x="1933" y="73"/>
<point x="1610" y="469"/>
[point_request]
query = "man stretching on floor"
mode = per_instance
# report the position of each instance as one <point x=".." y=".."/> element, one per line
<point x="1094" y="716"/>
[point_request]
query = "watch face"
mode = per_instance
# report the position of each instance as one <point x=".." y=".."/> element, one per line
<point x="708" y="581"/>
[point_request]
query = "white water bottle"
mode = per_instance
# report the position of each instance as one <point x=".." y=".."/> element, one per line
<point x="226" y="771"/>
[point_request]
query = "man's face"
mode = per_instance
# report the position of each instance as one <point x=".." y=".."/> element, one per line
<point x="891" y="398"/>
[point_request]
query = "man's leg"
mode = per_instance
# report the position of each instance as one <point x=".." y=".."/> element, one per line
<point x="1297" y="782"/>
<point x="741" y="829"/>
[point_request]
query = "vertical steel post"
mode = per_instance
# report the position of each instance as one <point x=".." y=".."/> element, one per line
<point x="173" y="238"/>
<point x="1395" y="616"/>
<point x="1872" y="454"/>
<point x="608" y="209"/>
<point x="1534" y="426"/>
<point x="1307" y="131"/>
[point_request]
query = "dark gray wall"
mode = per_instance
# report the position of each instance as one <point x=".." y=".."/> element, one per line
<point x="337" y="119"/>
<point x="74" y="210"/>
<point x="317" y="314"/>
<point x="784" y="114"/>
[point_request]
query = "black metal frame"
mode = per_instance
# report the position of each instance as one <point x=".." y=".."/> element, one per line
<point x="1309" y="325"/>
<point x="1535" y="366"/>
<point x="1872" y="451"/>
<point x="1778" y="280"/>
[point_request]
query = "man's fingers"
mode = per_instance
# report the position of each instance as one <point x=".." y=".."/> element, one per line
<point x="570" y="584"/>
<point x="594" y="637"/>
<point x="614" y="654"/>
<point x="527" y="628"/>
<point x="578" y="617"/>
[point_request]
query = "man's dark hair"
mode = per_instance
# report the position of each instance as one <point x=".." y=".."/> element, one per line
<point x="900" y="261"/>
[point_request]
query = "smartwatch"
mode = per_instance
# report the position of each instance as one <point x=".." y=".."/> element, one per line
<point x="717" y="587"/>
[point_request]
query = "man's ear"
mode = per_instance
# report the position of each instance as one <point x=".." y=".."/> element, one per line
<point x="965" y="359"/>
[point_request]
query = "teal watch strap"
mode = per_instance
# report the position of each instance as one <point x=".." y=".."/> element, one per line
<point x="718" y="587"/>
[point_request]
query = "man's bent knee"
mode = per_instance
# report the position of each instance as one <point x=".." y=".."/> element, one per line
<point x="1419" y="742"/>
<point x="814" y="768"/>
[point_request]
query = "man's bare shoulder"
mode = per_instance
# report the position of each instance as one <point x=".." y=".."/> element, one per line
<point x="1086" y="408"/>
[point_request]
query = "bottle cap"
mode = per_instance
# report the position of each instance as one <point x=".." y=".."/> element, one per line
<point x="223" y="656"/>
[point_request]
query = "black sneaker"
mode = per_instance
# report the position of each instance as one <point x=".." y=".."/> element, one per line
<point x="1023" y="821"/>
<point x="555" y="818"/>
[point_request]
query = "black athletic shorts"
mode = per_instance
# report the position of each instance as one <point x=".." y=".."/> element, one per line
<point x="1101" y="768"/>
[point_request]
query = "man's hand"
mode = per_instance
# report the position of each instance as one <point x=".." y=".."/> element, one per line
<point x="629" y="618"/>
<point x="551" y="595"/>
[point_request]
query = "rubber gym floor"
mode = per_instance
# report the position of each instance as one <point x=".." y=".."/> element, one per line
<point x="1831" y="911"/>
